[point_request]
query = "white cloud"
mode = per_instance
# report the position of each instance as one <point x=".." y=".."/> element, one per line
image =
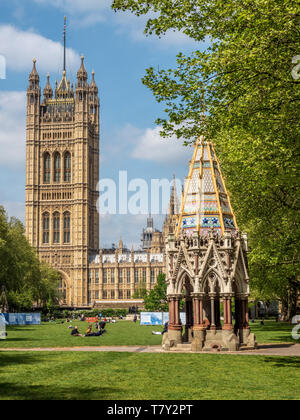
<point x="83" y="13"/>
<point x="12" y="128"/>
<point x="90" y="12"/>
<point x="20" y="47"/>
<point x="149" y="145"/>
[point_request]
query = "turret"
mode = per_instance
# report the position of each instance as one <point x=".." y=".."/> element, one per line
<point x="48" y="91"/>
<point x="34" y="78"/>
<point x="82" y="85"/>
<point x="94" y="100"/>
<point x="82" y="90"/>
<point x="33" y="91"/>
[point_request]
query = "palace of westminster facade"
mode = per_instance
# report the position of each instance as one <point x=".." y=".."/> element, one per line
<point x="62" y="221"/>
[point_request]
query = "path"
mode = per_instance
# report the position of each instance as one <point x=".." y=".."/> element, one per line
<point x="263" y="350"/>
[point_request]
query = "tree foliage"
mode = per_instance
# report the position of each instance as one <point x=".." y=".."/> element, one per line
<point x="248" y="77"/>
<point x="26" y="279"/>
<point x="156" y="299"/>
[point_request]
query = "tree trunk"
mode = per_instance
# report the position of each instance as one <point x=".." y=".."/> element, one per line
<point x="293" y="296"/>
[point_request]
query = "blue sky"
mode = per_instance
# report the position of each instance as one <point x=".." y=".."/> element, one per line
<point x="116" y="48"/>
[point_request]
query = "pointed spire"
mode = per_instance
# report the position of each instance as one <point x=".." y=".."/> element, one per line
<point x="65" y="25"/>
<point x="93" y="86"/>
<point x="34" y="76"/>
<point x="172" y="210"/>
<point x="48" y="92"/>
<point x="121" y="245"/>
<point x="82" y="71"/>
<point x="206" y="203"/>
<point x="82" y="76"/>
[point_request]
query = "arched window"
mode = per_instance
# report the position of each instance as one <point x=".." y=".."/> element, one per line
<point x="57" y="167"/>
<point x="67" y="224"/>
<point x="67" y="167"/>
<point x="56" y="228"/>
<point x="47" y="166"/>
<point x="46" y="228"/>
<point x="63" y="291"/>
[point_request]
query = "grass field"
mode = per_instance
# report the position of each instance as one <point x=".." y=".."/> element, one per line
<point x="140" y="376"/>
<point x="117" y="376"/>
<point x="120" y="334"/>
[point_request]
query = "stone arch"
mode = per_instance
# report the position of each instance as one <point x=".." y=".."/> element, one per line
<point x="67" y="166"/>
<point x="46" y="167"/>
<point x="239" y="286"/>
<point x="212" y="279"/>
<point x="65" y="288"/>
<point x="180" y="280"/>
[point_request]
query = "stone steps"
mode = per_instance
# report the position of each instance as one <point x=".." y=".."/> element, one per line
<point x="182" y="347"/>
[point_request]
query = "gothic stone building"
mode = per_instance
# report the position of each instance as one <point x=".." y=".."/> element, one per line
<point x="206" y="264"/>
<point x="62" y="172"/>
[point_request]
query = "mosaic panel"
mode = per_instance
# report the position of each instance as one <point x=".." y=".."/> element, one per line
<point x="208" y="181"/>
<point x="189" y="222"/>
<point x="205" y="231"/>
<point x="219" y="181"/>
<point x="198" y="155"/>
<point x="209" y="222"/>
<point x="191" y="204"/>
<point x="211" y="206"/>
<point x="205" y="154"/>
<point x="225" y="205"/>
<point x="229" y="223"/>
<point x="189" y="232"/>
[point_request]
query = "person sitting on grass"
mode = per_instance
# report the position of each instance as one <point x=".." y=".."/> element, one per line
<point x="89" y="330"/>
<point x="96" y="334"/>
<point x="165" y="330"/>
<point x="75" y="332"/>
<point x="102" y="325"/>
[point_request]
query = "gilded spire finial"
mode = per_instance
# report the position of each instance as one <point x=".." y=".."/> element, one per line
<point x="65" y="30"/>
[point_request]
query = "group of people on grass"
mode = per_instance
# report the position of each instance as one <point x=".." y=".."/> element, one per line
<point x="100" y="329"/>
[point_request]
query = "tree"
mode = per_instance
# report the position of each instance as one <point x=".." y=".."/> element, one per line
<point x="156" y="299"/>
<point x="248" y="78"/>
<point x="26" y="280"/>
<point x="140" y="290"/>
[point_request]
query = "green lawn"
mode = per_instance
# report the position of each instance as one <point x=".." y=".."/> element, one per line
<point x="120" y="334"/>
<point x="117" y="376"/>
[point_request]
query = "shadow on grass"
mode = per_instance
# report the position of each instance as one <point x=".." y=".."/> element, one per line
<point x="47" y="392"/>
<point x="283" y="362"/>
<point x="20" y="328"/>
<point x="276" y="346"/>
<point x="14" y="339"/>
<point x="7" y="359"/>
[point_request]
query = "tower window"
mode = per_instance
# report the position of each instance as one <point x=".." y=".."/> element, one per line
<point x="47" y="166"/>
<point x="152" y="276"/>
<point x="67" y="167"/>
<point x="105" y="276"/>
<point x="136" y="276"/>
<point x="67" y="224"/>
<point x="56" y="228"/>
<point x="46" y="228"/>
<point x="120" y="276"/>
<point x="57" y="167"/>
<point x="112" y="276"/>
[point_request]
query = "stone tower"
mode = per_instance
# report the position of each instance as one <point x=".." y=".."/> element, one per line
<point x="171" y="219"/>
<point x="62" y="173"/>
